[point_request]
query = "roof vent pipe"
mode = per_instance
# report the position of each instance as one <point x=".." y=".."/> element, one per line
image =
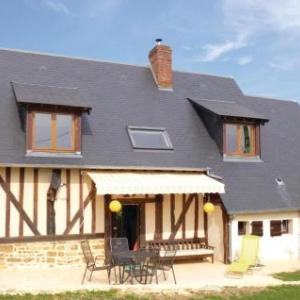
<point x="279" y="181"/>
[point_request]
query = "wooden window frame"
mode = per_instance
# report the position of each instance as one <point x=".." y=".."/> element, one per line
<point x="76" y="131"/>
<point x="288" y="229"/>
<point x="254" y="139"/>
<point x="257" y="223"/>
<point x="243" y="231"/>
<point x="275" y="228"/>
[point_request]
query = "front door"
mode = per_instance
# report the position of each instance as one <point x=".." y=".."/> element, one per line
<point x="126" y="223"/>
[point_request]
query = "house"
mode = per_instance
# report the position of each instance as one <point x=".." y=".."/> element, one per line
<point x="78" y="133"/>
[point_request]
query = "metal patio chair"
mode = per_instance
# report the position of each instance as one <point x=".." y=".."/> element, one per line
<point x="166" y="262"/>
<point x="117" y="245"/>
<point x="91" y="262"/>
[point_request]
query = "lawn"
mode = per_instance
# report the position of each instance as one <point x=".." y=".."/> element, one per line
<point x="289" y="292"/>
<point x="288" y="276"/>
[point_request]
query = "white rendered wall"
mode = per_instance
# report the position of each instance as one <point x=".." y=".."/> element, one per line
<point x="215" y="232"/>
<point x="284" y="247"/>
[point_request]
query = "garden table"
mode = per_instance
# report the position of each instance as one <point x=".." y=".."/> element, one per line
<point x="136" y="263"/>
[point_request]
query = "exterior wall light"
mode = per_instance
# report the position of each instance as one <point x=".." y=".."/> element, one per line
<point x="115" y="206"/>
<point x="208" y="207"/>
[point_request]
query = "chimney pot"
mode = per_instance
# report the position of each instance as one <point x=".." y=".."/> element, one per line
<point x="158" y="41"/>
<point x="161" y="65"/>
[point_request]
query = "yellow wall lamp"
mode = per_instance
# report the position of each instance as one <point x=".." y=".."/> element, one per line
<point x="115" y="206"/>
<point x="208" y="206"/>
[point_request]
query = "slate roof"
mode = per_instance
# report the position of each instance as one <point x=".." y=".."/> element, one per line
<point x="45" y="94"/>
<point x="252" y="186"/>
<point x="228" y="109"/>
<point x="122" y="95"/>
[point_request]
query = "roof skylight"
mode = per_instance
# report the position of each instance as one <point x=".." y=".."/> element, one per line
<point x="149" y="138"/>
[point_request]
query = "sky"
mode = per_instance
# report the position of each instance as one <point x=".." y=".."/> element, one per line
<point x="255" y="41"/>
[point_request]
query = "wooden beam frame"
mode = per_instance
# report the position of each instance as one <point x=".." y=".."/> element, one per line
<point x="158" y="216"/>
<point x="35" y="195"/>
<point x="107" y="223"/>
<point x="46" y="238"/>
<point x="21" y="199"/>
<point x="51" y="197"/>
<point x="17" y="205"/>
<point x="68" y="197"/>
<point x="196" y="220"/>
<point x="142" y="224"/>
<point x="205" y="221"/>
<point x="81" y="208"/>
<point x="172" y="211"/>
<point x="80" y="211"/>
<point x="7" y="208"/>
<point x="181" y="217"/>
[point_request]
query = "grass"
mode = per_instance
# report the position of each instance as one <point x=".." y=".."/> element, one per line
<point x="289" y="292"/>
<point x="288" y="276"/>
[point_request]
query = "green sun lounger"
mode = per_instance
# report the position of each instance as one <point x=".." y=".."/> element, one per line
<point x="248" y="256"/>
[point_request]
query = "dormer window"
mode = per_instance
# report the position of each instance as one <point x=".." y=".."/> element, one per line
<point x="53" y="117"/>
<point x="240" y="139"/>
<point x="53" y="131"/>
<point x="234" y="127"/>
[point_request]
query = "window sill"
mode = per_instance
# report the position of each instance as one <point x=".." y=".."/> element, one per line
<point x="53" y="154"/>
<point x="246" y="159"/>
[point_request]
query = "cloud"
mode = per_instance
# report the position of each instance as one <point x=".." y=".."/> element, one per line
<point x="285" y="63"/>
<point x="248" y="20"/>
<point x="215" y="51"/>
<point x="58" y="7"/>
<point x="104" y="8"/>
<point x="255" y="17"/>
<point x="245" y="60"/>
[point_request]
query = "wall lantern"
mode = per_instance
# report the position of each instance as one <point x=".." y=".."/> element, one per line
<point x="115" y="206"/>
<point x="208" y="207"/>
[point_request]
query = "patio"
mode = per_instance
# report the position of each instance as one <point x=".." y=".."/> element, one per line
<point x="190" y="276"/>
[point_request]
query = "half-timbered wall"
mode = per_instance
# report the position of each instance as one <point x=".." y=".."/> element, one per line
<point x="23" y="203"/>
<point x="191" y="224"/>
<point x="33" y="198"/>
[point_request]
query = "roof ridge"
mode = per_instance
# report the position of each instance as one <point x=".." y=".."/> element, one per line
<point x="69" y="57"/>
<point x="104" y="61"/>
<point x="272" y="98"/>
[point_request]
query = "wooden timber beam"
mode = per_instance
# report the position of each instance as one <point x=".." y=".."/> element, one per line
<point x="77" y="216"/>
<point x="196" y="217"/>
<point x="51" y="197"/>
<point x="182" y="215"/>
<point x="21" y="200"/>
<point x="18" y="206"/>
<point x="7" y="208"/>
<point x="158" y="216"/>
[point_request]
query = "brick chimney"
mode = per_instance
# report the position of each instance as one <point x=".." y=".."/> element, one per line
<point x="161" y="65"/>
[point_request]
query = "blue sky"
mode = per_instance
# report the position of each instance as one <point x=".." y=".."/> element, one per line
<point x="255" y="41"/>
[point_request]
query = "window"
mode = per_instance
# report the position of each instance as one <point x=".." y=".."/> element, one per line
<point x="257" y="228"/>
<point x="242" y="227"/>
<point x="275" y="228"/>
<point x="240" y="139"/>
<point x="149" y="138"/>
<point x="287" y="226"/>
<point x="53" y="132"/>
<point x="279" y="227"/>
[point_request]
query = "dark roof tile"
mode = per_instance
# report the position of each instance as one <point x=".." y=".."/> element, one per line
<point x="50" y="95"/>
<point x="228" y="109"/>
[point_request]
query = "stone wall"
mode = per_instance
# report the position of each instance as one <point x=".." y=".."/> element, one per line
<point x="47" y="254"/>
